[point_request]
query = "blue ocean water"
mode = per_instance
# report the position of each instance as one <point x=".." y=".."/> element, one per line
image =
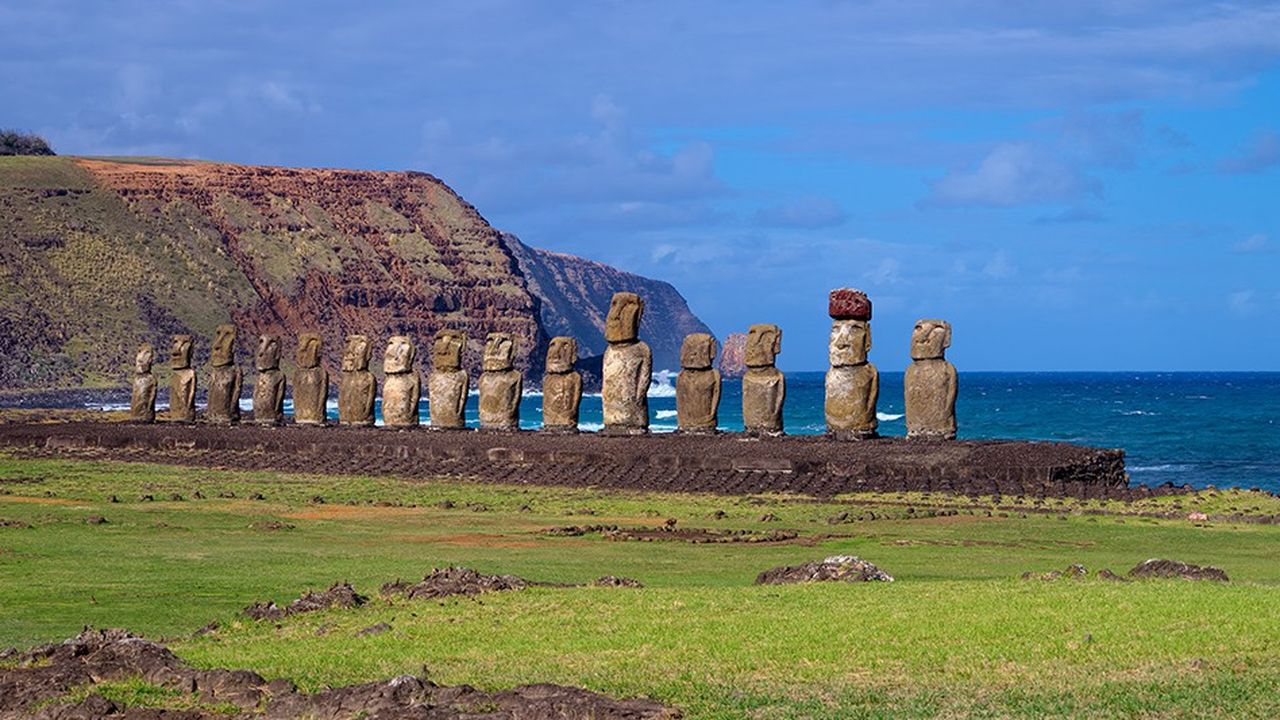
<point x="1200" y="428"/>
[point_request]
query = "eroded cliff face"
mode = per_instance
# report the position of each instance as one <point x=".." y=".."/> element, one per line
<point x="98" y="255"/>
<point x="576" y="292"/>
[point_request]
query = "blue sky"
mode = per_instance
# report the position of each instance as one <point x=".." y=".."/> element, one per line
<point x="1085" y="185"/>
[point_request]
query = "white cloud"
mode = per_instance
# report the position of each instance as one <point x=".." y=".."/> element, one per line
<point x="1252" y="244"/>
<point x="1242" y="302"/>
<point x="999" y="267"/>
<point x="1013" y="173"/>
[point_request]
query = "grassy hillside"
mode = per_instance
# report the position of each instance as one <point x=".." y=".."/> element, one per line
<point x="100" y="254"/>
<point x="958" y="634"/>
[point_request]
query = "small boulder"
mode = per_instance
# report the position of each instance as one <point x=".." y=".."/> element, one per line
<point x="837" y="568"/>
<point x="1161" y="568"/>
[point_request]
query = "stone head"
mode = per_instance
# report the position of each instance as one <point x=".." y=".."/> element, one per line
<point x="499" y="352"/>
<point x="764" y="342"/>
<point x="930" y="339"/>
<point x="698" y="352"/>
<point x="180" y="352"/>
<point x="400" y="355"/>
<point x="224" y="346"/>
<point x="356" y="355"/>
<point x="848" y="304"/>
<point x="143" y="360"/>
<point x="850" y="342"/>
<point x="623" y="322"/>
<point x="446" y="351"/>
<point x="561" y="354"/>
<point x="268" y="355"/>
<point x="308" y="353"/>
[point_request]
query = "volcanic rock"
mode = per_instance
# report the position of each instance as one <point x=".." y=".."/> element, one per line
<point x="837" y="568"/>
<point x="1160" y="568"/>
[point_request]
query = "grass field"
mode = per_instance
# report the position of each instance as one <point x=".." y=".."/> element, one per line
<point x="957" y="635"/>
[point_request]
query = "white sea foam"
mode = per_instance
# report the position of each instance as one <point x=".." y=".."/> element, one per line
<point x="662" y="384"/>
<point x="1137" y="412"/>
<point x="889" y="417"/>
<point x="666" y="414"/>
<point x="1168" y="467"/>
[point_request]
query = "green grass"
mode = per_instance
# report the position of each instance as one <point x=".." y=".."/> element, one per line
<point x="957" y="635"/>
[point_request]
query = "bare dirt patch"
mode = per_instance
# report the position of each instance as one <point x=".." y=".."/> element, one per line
<point x="31" y="688"/>
<point x="670" y="533"/>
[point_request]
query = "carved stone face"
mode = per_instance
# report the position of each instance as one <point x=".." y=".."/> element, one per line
<point x="355" y="356"/>
<point x="180" y="352"/>
<point x="446" y="352"/>
<point x="224" y="346"/>
<point x="499" y="352"/>
<point x="698" y="352"/>
<point x="764" y="342"/>
<point x="850" y="342"/>
<point x="308" y="354"/>
<point x="623" y="322"/>
<point x="561" y="354"/>
<point x="268" y="355"/>
<point x="930" y="339"/>
<point x="400" y="355"/>
<point x="143" y="360"/>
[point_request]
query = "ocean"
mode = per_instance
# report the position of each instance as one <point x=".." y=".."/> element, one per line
<point x="1201" y="428"/>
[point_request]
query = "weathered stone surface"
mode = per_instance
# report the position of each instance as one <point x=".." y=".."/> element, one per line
<point x="851" y="395"/>
<point x="561" y="387"/>
<point x="837" y="568"/>
<point x="310" y="382"/>
<point x="357" y="387"/>
<point x="142" y="398"/>
<point x="224" y="378"/>
<point x="930" y="339"/>
<point x="764" y="388"/>
<point x="930" y="384"/>
<point x="269" y="388"/>
<point x="627" y="371"/>
<point x="182" y="386"/>
<point x="402" y="387"/>
<point x="852" y="383"/>
<point x="733" y="355"/>
<point x="698" y="385"/>
<point x="627" y="368"/>
<point x="500" y="384"/>
<point x="848" y="304"/>
<point x="623" y="322"/>
<point x="224" y="346"/>
<point x="448" y="384"/>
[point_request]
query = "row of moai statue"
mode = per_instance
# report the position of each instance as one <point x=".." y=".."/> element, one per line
<point x="852" y="382"/>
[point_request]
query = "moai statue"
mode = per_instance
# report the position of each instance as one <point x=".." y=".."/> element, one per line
<point x="763" y="386"/>
<point x="698" y="385"/>
<point x="930" y="383"/>
<point x="561" y="387"/>
<point x="142" y="401"/>
<point x="310" y="382"/>
<point x="357" y="387"/>
<point x="224" y="378"/>
<point x="500" y="384"/>
<point x="269" y="388"/>
<point x="628" y="368"/>
<point x="448" y="383"/>
<point x="853" y="384"/>
<point x="402" y="387"/>
<point x="182" y="386"/>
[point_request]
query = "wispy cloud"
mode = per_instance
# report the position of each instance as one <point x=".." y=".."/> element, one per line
<point x="1262" y="152"/>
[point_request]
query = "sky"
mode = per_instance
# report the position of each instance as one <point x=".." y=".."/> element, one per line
<point x="1074" y="186"/>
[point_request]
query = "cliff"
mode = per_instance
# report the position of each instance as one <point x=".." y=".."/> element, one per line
<point x="100" y="254"/>
<point x="575" y="296"/>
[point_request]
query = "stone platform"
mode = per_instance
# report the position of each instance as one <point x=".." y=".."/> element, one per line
<point x="727" y="463"/>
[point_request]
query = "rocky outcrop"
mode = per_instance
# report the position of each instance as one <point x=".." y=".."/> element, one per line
<point x="98" y="255"/>
<point x="576" y="293"/>
<point x="733" y="355"/>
